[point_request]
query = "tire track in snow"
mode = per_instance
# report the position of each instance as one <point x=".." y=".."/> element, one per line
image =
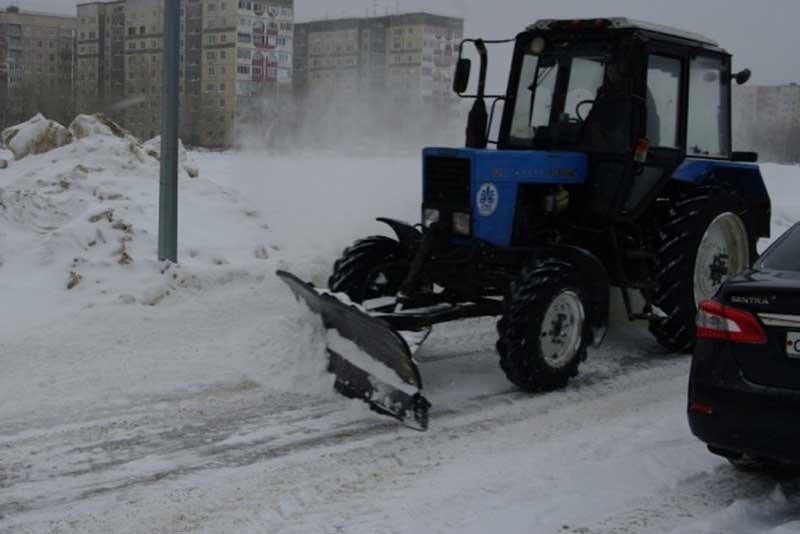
<point x="172" y="438"/>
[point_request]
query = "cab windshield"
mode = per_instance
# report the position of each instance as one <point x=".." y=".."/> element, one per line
<point x="570" y="95"/>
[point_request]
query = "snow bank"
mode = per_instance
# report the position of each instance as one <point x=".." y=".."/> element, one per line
<point x="81" y="223"/>
<point x="185" y="163"/>
<point x="98" y="124"/>
<point x="36" y="136"/>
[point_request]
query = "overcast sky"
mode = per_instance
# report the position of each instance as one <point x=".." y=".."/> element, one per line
<point x="762" y="35"/>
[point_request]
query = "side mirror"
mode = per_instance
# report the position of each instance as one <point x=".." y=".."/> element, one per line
<point x="742" y="77"/>
<point x="461" y="77"/>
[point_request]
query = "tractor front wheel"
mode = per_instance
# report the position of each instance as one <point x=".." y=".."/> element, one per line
<point x="705" y="238"/>
<point x="544" y="332"/>
<point x="365" y="270"/>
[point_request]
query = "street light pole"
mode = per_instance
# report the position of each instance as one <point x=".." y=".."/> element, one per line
<point x="170" y="101"/>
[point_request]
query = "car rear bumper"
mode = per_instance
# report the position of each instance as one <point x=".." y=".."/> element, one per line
<point x="758" y="423"/>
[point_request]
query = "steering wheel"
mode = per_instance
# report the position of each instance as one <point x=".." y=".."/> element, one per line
<point x="579" y="106"/>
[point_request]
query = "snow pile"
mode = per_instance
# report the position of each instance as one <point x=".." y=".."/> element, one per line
<point x="98" y="124"/>
<point x="40" y="135"/>
<point x="83" y="217"/>
<point x="185" y="164"/>
<point x="36" y="136"/>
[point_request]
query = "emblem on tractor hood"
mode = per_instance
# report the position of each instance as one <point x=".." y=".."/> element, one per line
<point x="487" y="199"/>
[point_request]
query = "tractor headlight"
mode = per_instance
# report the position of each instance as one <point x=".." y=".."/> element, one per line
<point x="430" y="217"/>
<point x="538" y="45"/>
<point x="462" y="224"/>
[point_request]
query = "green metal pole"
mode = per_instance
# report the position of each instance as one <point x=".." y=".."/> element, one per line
<point x="168" y="200"/>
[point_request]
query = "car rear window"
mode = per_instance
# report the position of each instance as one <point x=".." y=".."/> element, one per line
<point x="785" y="255"/>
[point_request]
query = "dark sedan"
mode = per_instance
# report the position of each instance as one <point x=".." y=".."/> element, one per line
<point x="744" y="390"/>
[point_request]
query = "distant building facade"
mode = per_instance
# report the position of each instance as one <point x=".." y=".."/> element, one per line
<point x="410" y="55"/>
<point x="766" y="119"/>
<point x="235" y="55"/>
<point x="36" y="65"/>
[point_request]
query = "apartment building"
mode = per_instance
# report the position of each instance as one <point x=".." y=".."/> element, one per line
<point x="766" y="119"/>
<point x="411" y="56"/>
<point x="262" y="62"/>
<point x="236" y="55"/>
<point x="36" y="65"/>
<point x="91" y="53"/>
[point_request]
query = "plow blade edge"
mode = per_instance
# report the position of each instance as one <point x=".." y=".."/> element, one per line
<point x="371" y="361"/>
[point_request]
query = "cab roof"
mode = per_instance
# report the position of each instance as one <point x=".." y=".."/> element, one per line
<point x="623" y="23"/>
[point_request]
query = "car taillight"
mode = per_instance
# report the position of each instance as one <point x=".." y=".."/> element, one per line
<point x="716" y="321"/>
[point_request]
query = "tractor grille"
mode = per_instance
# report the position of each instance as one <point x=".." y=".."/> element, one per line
<point x="447" y="182"/>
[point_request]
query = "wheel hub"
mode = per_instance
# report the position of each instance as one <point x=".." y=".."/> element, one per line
<point x="718" y="271"/>
<point x="562" y="329"/>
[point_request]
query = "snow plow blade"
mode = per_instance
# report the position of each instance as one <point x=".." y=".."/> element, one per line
<point x="371" y="361"/>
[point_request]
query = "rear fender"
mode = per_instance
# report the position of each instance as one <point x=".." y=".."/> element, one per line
<point x="595" y="281"/>
<point x="744" y="178"/>
<point x="408" y="235"/>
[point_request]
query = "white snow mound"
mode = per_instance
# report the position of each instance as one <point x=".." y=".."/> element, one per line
<point x="185" y="164"/>
<point x="84" y="218"/>
<point x="36" y="136"/>
<point x="98" y="124"/>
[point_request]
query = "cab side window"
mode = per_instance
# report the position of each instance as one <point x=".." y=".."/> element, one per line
<point x="663" y="101"/>
<point x="709" y="103"/>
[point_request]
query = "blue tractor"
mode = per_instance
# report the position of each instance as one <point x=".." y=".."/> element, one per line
<point x="613" y="166"/>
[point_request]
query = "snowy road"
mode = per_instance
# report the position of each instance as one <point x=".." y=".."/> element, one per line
<point x="611" y="454"/>
<point x="185" y="416"/>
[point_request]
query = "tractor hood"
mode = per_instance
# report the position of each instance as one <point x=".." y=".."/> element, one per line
<point x="485" y="183"/>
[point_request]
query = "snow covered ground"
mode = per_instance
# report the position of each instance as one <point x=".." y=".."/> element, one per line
<point x="157" y="398"/>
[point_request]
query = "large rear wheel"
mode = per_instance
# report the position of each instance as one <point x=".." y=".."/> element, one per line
<point x="706" y="237"/>
<point x="544" y="332"/>
<point x="365" y="271"/>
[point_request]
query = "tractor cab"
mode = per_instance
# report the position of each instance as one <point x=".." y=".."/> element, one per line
<point x="636" y="98"/>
